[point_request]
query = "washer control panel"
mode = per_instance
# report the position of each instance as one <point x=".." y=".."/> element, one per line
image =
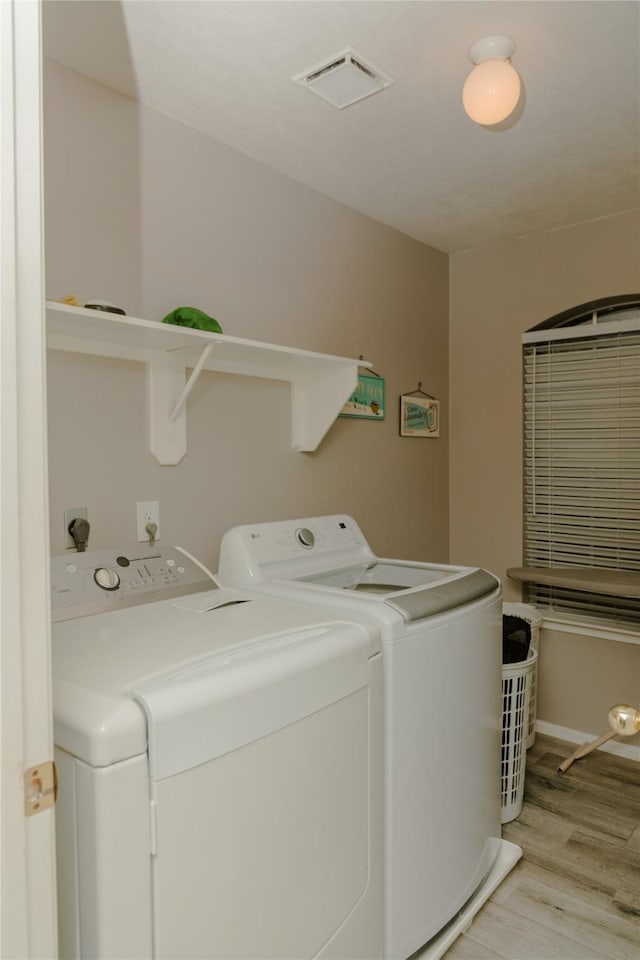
<point x="305" y="537"/>
<point x="289" y="549"/>
<point x="97" y="581"/>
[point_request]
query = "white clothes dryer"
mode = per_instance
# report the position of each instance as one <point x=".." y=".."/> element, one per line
<point x="219" y="774"/>
<point x="441" y="650"/>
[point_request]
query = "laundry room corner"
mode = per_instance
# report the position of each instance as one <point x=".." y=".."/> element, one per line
<point x="327" y="318"/>
<point x="161" y="215"/>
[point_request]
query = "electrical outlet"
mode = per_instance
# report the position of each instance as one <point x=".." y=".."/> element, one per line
<point x="148" y="511"/>
<point x="71" y="514"/>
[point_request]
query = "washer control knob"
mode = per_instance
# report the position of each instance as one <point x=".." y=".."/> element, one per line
<point x="106" y="578"/>
<point x="305" y="537"/>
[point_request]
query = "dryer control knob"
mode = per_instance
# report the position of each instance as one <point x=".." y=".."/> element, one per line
<point x="305" y="537"/>
<point x="106" y="578"/>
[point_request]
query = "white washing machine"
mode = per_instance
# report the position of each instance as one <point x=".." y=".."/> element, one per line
<point x="218" y="758"/>
<point x="442" y="652"/>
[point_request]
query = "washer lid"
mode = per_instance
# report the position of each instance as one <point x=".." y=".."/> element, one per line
<point x="329" y="555"/>
<point x="382" y="577"/>
<point x="438" y="598"/>
<point x="102" y="663"/>
<point x="389" y="589"/>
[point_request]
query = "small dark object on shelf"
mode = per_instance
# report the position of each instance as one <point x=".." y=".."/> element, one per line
<point x="104" y="305"/>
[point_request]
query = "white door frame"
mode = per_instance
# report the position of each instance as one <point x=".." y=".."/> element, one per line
<point x="27" y="845"/>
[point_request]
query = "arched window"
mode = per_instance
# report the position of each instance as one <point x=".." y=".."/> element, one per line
<point x="582" y="462"/>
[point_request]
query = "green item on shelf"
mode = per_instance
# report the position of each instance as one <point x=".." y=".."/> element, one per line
<point x="192" y="317"/>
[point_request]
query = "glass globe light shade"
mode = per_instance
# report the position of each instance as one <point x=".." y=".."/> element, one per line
<point x="491" y="91"/>
<point x="625" y="720"/>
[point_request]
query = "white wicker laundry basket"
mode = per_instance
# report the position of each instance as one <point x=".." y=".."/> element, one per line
<point x="534" y="618"/>
<point x="516" y="697"/>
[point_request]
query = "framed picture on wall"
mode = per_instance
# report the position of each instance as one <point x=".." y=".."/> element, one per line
<point x="367" y="400"/>
<point x="419" y="415"/>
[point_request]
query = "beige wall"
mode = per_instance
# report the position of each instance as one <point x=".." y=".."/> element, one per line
<point x="496" y="293"/>
<point x="581" y="678"/>
<point x="147" y="213"/>
<point x="151" y="215"/>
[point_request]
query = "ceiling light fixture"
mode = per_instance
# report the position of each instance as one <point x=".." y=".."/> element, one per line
<point x="492" y="89"/>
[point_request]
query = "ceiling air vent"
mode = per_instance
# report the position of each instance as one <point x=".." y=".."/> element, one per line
<point x="344" y="79"/>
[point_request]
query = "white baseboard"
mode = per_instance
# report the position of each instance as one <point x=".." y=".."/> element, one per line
<point x="627" y="750"/>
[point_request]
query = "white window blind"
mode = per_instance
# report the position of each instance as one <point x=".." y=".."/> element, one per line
<point x="582" y="460"/>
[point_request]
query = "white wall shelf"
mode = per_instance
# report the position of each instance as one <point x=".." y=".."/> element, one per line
<point x="320" y="383"/>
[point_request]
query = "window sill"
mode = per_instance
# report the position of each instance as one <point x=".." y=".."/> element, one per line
<point x="616" y="583"/>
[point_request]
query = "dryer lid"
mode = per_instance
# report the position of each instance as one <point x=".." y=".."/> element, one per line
<point x="204" y="711"/>
<point x="106" y="666"/>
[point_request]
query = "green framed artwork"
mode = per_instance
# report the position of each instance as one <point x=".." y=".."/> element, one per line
<point x="367" y="400"/>
<point x="419" y="416"/>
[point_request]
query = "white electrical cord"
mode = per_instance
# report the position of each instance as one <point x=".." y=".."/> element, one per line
<point x="206" y="570"/>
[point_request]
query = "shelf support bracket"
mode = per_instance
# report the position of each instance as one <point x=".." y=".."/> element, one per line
<point x="168" y="419"/>
<point x="191" y="382"/>
<point x="167" y="436"/>
<point x="316" y="402"/>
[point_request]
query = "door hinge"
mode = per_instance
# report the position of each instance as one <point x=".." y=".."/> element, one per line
<point x="40" y="788"/>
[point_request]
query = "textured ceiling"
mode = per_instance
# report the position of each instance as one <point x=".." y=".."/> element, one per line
<point x="408" y="157"/>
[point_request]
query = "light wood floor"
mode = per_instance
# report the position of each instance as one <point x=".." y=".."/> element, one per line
<point x="576" y="892"/>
